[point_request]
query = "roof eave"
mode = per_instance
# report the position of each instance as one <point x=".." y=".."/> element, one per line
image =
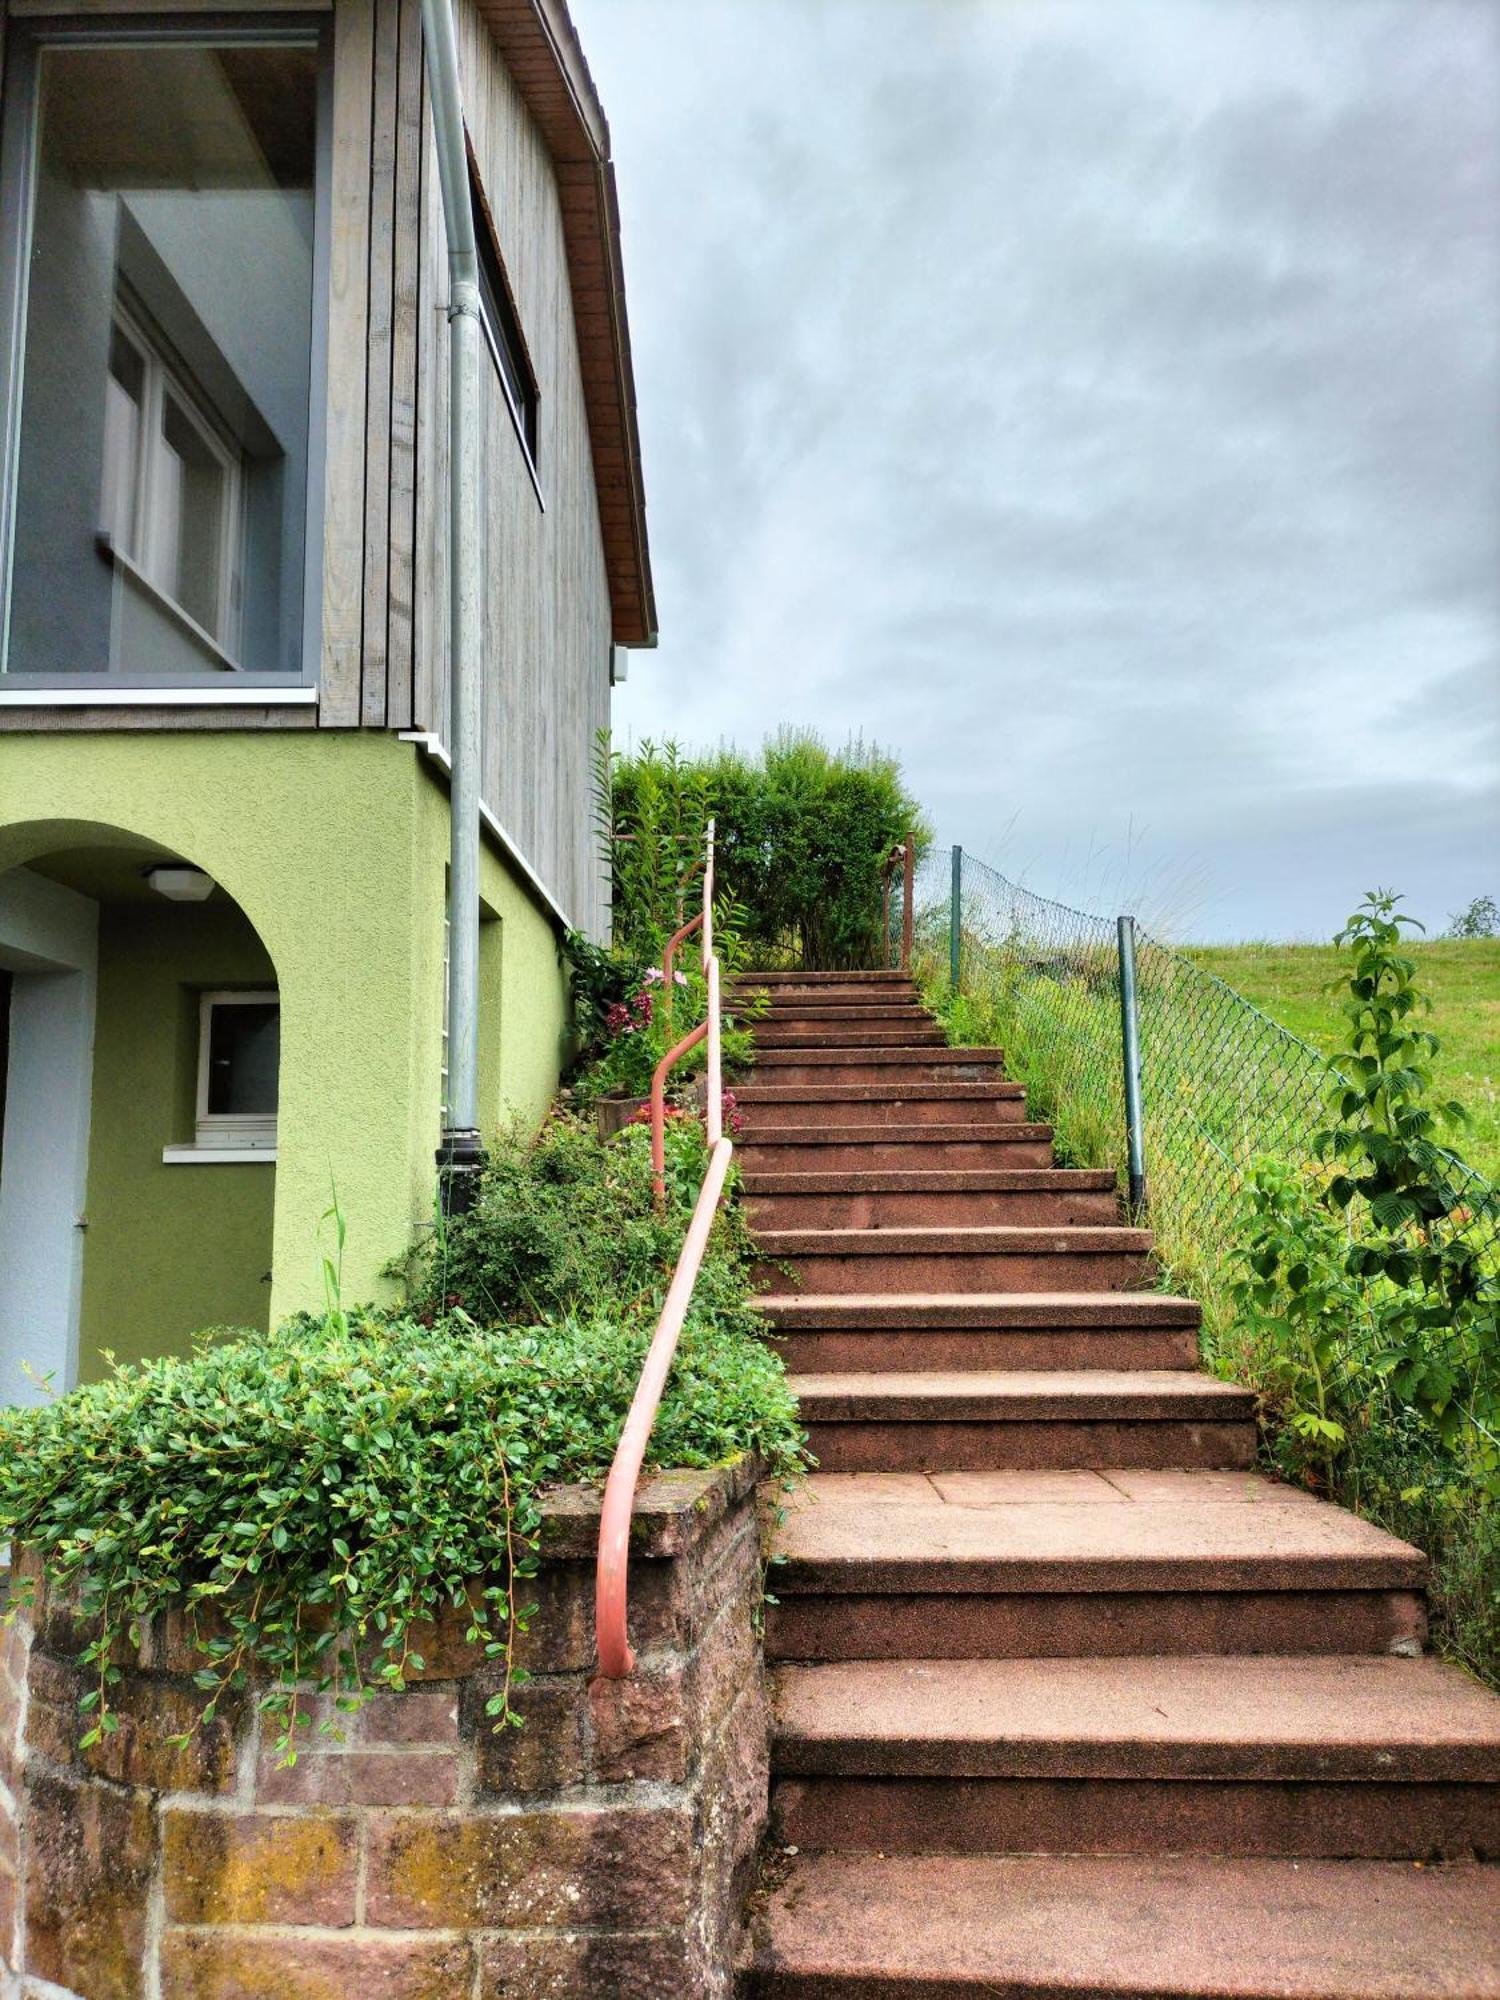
<point x="541" y="50"/>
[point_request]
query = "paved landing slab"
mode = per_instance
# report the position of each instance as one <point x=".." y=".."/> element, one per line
<point x="919" y="1927"/>
<point x="832" y="1540"/>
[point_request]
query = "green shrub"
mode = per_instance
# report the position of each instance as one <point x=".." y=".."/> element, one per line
<point x="638" y="1029"/>
<point x="565" y="1226"/>
<point x="802" y="833"/>
<point x="306" y="1498"/>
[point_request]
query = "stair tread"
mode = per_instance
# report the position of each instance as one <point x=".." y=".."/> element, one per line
<point x="1208" y="1716"/>
<point x="1157" y="1534"/>
<point x="1033" y="1394"/>
<point x="865" y="1093"/>
<point x="952" y="1309"/>
<point x="931" y="1180"/>
<point x="958" y="1238"/>
<point x="771" y="1058"/>
<point x="917" y="1927"/>
<point x="895" y="1134"/>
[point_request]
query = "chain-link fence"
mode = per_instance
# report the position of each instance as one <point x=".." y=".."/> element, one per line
<point x="1222" y="1084"/>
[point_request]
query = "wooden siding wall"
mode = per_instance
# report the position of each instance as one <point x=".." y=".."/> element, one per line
<point x="385" y="586"/>
<point x="547" y="608"/>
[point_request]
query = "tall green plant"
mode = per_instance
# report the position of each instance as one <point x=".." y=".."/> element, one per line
<point x="1438" y="1315"/>
<point x="802" y="833"/>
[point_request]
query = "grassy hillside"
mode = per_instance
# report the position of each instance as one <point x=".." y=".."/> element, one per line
<point x="1290" y="983"/>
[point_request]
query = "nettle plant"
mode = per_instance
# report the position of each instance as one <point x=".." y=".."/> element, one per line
<point x="1400" y="1296"/>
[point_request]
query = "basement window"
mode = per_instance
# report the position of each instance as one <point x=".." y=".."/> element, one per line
<point x="239" y="1061"/>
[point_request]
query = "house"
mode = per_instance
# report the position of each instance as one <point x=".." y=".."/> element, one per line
<point x="225" y="531"/>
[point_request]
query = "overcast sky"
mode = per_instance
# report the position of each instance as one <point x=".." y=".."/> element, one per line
<point x="1096" y="402"/>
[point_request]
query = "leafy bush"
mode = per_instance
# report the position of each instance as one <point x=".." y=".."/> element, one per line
<point x="802" y="834"/>
<point x="564" y="1225"/>
<point x="1480" y="920"/>
<point x="309" y="1498"/>
<point x="601" y="979"/>
<point x="645" y="1022"/>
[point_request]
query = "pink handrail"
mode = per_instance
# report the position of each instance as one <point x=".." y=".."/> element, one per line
<point x="693" y="923"/>
<point x="611" y="1585"/>
<point x="659" y="1109"/>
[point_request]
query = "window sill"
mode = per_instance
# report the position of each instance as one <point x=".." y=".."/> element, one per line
<point x="217" y="1156"/>
<point x="275" y="694"/>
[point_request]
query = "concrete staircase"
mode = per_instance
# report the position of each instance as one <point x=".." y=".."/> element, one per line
<point x="1069" y="1700"/>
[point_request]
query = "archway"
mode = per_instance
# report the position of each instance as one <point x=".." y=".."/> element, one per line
<point x="138" y="1124"/>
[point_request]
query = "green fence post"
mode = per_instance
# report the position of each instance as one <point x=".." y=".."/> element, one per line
<point x="1130" y="1037"/>
<point x="955" y="918"/>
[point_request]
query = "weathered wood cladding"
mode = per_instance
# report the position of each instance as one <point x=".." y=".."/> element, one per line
<point x="547" y="604"/>
<point x="548" y="617"/>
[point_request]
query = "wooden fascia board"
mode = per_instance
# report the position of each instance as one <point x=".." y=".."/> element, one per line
<point x="540" y="48"/>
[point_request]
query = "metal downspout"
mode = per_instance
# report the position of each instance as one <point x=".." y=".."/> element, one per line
<point x="461" y="1154"/>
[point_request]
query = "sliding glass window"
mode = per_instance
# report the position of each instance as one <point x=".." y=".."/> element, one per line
<point x="162" y="194"/>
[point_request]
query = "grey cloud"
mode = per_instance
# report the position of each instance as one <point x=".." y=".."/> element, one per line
<point x="1096" y="400"/>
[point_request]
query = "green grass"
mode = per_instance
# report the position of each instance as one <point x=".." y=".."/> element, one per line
<point x="1290" y="983"/>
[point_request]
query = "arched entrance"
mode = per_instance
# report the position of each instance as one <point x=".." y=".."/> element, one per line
<point x="141" y="1017"/>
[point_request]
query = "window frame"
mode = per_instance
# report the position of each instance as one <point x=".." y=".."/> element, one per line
<point x="26" y="38"/>
<point x="163" y="377"/>
<point x="503" y="335"/>
<point x="252" y="1132"/>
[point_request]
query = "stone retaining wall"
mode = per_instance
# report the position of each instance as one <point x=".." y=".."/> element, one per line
<point x="600" y="1853"/>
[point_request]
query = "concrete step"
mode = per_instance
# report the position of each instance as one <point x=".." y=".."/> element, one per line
<point x="785" y="976"/>
<point x="892" y="1069"/>
<point x="1071" y="1330"/>
<point x="841" y="1017"/>
<point x="1379" y="1759"/>
<point x="836" y="1148"/>
<point x="973" y="1422"/>
<point x="767" y="1106"/>
<point x="1082" y="1258"/>
<point x="912" y="1031"/>
<point x="829" y="992"/>
<point x="958" y="1927"/>
<point x="1035" y="1196"/>
<point x="1007" y="1564"/>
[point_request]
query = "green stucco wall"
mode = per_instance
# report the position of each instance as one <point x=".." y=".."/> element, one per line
<point x="170" y="1249"/>
<point x="334" y="845"/>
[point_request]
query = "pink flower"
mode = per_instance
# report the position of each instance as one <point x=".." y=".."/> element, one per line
<point x="653" y="975"/>
<point x="681" y="978"/>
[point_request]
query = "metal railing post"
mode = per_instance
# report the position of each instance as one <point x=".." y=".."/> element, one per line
<point x="1130" y="1038"/>
<point x="885" y="917"/>
<point x="956" y="918"/>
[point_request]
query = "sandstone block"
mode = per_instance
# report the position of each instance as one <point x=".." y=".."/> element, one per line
<point x="258" y="1868"/>
<point x="585" y="1866"/>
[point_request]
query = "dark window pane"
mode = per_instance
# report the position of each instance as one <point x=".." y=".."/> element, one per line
<point x="167" y="359"/>
<point x="502" y="329"/>
<point x="244" y="1047"/>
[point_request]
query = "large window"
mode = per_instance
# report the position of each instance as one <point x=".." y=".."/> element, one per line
<point x="163" y="190"/>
